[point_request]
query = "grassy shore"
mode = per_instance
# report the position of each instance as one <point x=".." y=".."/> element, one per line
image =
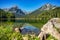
<point x="7" y="33"/>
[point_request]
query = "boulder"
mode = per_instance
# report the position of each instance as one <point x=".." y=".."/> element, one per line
<point x="48" y="28"/>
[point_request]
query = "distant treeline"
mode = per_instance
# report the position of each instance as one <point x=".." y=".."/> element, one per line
<point x="5" y="16"/>
<point x="42" y="17"/>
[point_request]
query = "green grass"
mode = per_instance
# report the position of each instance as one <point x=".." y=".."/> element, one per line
<point x="51" y="38"/>
<point x="7" y="33"/>
<point x="38" y="25"/>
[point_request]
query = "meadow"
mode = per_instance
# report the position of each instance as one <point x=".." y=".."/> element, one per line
<point x="7" y="32"/>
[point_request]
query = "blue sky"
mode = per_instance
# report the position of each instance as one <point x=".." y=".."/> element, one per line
<point x="27" y="5"/>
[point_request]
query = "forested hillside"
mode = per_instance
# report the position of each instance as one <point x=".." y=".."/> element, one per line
<point x="6" y="15"/>
<point x="45" y="15"/>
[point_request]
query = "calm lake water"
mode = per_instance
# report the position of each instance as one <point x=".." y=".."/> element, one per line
<point x="29" y="29"/>
<point x="26" y="26"/>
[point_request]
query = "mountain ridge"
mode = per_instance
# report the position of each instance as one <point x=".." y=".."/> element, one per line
<point x="18" y="12"/>
<point x="44" y="8"/>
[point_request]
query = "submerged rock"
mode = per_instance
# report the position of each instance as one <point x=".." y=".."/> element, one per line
<point x="29" y="29"/>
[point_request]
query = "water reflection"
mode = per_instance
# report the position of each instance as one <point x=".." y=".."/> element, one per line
<point x="29" y="29"/>
<point x="25" y="27"/>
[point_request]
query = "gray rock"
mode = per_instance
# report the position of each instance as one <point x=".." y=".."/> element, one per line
<point x="48" y="28"/>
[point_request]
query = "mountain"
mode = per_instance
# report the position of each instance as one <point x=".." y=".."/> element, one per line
<point x="54" y="12"/>
<point x="43" y="8"/>
<point x="17" y="12"/>
<point x="47" y="7"/>
<point x="43" y="16"/>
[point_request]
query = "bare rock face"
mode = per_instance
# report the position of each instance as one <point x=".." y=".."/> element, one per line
<point x="56" y="22"/>
<point x="48" y="28"/>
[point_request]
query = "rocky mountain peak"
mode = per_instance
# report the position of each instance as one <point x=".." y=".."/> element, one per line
<point x="14" y="8"/>
<point x="48" y="4"/>
<point x="47" y="7"/>
<point x="17" y="11"/>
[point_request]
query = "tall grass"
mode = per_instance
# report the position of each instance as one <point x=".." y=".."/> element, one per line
<point x="7" y="32"/>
